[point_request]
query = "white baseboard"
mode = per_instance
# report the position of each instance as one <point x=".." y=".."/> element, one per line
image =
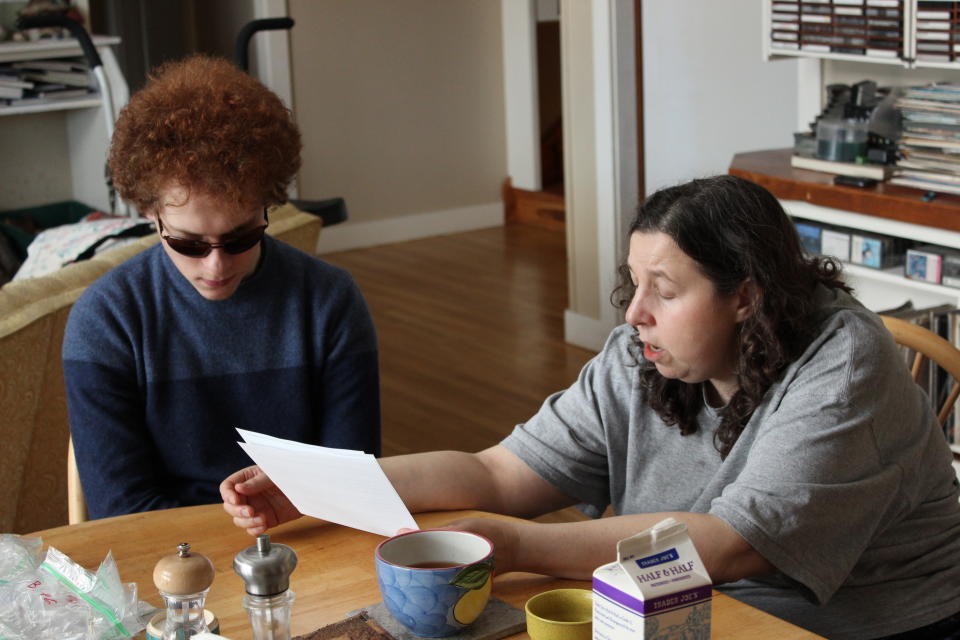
<point x="584" y="331"/>
<point x="358" y="235"/>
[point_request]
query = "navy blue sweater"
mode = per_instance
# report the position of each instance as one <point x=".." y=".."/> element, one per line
<point x="158" y="377"/>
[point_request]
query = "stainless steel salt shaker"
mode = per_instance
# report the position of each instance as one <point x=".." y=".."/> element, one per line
<point x="265" y="569"/>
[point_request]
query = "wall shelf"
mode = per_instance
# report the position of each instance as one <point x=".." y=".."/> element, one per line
<point x="49" y="48"/>
<point x="884" y="209"/>
<point x="85" y="128"/>
<point x="54" y="105"/>
<point x="888" y="32"/>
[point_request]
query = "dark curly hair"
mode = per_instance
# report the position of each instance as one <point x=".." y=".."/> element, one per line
<point x="201" y="123"/>
<point x="736" y="232"/>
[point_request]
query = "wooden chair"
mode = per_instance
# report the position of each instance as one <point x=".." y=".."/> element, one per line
<point x="928" y="346"/>
<point x="76" y="503"/>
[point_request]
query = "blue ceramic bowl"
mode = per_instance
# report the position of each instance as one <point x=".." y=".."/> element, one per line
<point x="435" y="601"/>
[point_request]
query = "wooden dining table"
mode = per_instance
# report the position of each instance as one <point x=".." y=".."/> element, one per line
<point x="335" y="574"/>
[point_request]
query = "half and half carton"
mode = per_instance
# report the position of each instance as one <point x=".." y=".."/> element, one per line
<point x="657" y="588"/>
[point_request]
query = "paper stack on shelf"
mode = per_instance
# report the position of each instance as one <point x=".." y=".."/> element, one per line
<point x="72" y="72"/>
<point x="863" y="170"/>
<point x="42" y="81"/>
<point x="12" y="86"/>
<point x="929" y="146"/>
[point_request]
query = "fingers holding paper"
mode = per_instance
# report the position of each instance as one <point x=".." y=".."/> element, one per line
<point x="255" y="502"/>
<point x="246" y="482"/>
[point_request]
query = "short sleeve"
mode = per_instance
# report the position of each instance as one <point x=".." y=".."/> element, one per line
<point x="565" y="442"/>
<point x="814" y="487"/>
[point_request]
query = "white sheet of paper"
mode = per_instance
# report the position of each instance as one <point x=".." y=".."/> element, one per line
<point x="338" y="485"/>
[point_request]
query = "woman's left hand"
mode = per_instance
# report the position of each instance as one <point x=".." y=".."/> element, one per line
<point x="502" y="533"/>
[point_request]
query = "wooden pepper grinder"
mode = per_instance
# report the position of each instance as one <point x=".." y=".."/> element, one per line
<point x="183" y="580"/>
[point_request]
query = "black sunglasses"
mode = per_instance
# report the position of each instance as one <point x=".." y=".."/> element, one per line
<point x="199" y="249"/>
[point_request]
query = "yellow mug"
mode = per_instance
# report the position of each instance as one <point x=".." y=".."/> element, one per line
<point x="560" y="614"/>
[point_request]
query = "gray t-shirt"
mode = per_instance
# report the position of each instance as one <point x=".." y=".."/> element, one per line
<point x="842" y="478"/>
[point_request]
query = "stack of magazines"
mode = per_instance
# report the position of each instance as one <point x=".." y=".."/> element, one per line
<point x="929" y="146"/>
<point x="41" y="81"/>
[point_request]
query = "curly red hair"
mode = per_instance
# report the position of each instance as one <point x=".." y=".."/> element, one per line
<point x="203" y="124"/>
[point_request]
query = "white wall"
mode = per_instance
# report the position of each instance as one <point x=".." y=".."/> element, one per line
<point x="401" y="109"/>
<point x="579" y="167"/>
<point x="519" y="19"/>
<point x="707" y="91"/>
<point x="35" y="163"/>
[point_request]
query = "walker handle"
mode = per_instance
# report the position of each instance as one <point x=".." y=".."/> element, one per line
<point x="240" y="52"/>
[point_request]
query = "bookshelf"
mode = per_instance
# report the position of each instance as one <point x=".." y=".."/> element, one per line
<point x="49" y="48"/>
<point x="907" y="33"/>
<point x="884" y="209"/>
<point x="87" y="140"/>
<point x="59" y="105"/>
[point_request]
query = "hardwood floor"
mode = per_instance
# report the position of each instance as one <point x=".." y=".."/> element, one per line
<point x="470" y="327"/>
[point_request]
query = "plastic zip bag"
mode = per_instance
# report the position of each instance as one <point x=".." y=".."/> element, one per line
<point x="18" y="555"/>
<point x="57" y="598"/>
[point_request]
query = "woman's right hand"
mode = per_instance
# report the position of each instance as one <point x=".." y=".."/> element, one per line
<point x="255" y="502"/>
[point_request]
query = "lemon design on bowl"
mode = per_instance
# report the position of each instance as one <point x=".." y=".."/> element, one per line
<point x="476" y="579"/>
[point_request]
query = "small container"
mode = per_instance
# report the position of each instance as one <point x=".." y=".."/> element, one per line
<point x="270" y="615"/>
<point x="658" y="587"/>
<point x="155" y="626"/>
<point x="565" y="614"/>
<point x="842" y="140"/>
<point x="265" y="569"/>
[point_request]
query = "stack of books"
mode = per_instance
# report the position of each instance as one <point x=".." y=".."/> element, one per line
<point x="929" y="146"/>
<point x="39" y="81"/>
<point x="860" y="170"/>
<point x="12" y="86"/>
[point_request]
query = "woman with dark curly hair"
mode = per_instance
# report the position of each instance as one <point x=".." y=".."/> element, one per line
<point x="749" y="396"/>
<point x="219" y="325"/>
<point x="734" y="251"/>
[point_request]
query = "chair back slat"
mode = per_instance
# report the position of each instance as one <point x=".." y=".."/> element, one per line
<point x="918" y="359"/>
<point x="948" y="404"/>
<point x="928" y="345"/>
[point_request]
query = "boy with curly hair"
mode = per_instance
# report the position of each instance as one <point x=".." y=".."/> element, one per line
<point x="219" y="325"/>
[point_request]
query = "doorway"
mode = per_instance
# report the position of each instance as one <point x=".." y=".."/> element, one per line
<point x="543" y="207"/>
